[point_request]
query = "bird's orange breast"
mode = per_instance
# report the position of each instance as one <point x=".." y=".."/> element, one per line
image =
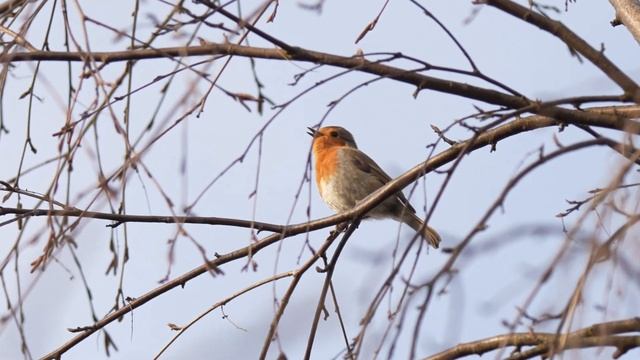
<point x="326" y="163"/>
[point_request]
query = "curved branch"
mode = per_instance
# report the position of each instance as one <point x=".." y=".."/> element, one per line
<point x="598" y="335"/>
<point x="226" y="300"/>
<point x="488" y="138"/>
<point x="354" y="62"/>
<point x="572" y="40"/>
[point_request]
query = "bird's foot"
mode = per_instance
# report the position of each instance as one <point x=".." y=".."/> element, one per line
<point x="340" y="228"/>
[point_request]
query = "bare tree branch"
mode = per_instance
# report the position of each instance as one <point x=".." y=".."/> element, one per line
<point x="126" y="218"/>
<point x="419" y="80"/>
<point x="101" y="121"/>
<point x="628" y="13"/>
<point x="572" y="40"/>
<point x="488" y="138"/>
<point x="597" y="335"/>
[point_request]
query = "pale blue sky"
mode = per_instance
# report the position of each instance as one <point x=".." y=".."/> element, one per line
<point x="388" y="123"/>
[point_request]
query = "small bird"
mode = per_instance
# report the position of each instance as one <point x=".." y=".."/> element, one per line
<point x="345" y="175"/>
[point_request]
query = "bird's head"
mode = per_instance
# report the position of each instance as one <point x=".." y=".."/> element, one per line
<point x="331" y="136"/>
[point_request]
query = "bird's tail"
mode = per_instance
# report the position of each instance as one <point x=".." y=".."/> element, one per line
<point x="427" y="232"/>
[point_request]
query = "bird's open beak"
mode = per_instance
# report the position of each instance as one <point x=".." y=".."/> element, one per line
<point x="312" y="132"/>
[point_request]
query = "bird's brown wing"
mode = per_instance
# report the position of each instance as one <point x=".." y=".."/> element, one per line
<point x="365" y="164"/>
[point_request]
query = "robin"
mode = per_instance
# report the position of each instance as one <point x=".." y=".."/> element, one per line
<point x="345" y="175"/>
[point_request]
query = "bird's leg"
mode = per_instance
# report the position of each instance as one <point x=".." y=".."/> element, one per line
<point x="340" y="228"/>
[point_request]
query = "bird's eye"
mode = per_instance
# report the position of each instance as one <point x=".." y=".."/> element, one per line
<point x="334" y="134"/>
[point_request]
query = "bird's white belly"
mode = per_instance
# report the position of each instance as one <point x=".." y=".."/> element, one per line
<point x="333" y="194"/>
<point x="343" y="194"/>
